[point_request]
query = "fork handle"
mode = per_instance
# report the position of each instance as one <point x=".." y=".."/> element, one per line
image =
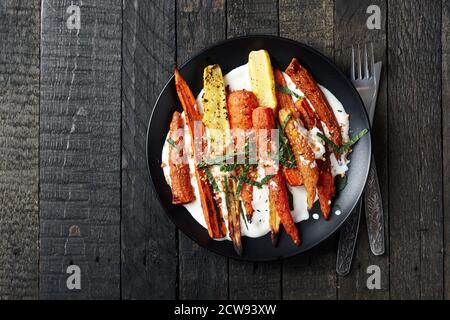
<point x="347" y="241"/>
<point x="374" y="212"/>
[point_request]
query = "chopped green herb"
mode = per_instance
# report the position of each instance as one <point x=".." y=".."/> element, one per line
<point x="242" y="177"/>
<point x="218" y="160"/>
<point x="228" y="167"/>
<point x="254" y="183"/>
<point x="354" y="140"/>
<point x="266" y="179"/>
<point x="329" y="142"/>
<point x="171" y="142"/>
<point x="285" y="122"/>
<point x="286" y="90"/>
<point x="211" y="179"/>
<point x="344" y="148"/>
<point x="286" y="156"/>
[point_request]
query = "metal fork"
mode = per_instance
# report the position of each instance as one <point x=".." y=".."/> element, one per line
<point x="365" y="78"/>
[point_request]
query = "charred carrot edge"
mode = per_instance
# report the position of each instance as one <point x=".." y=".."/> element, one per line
<point x="234" y="219"/>
<point x="278" y="199"/>
<point x="182" y="191"/>
<point x="303" y="80"/>
<point x="274" y="221"/>
<point x="325" y="186"/>
<point x="213" y="217"/>
<point x="293" y="176"/>
<point x="278" y="192"/>
<point x="303" y="153"/>
<point x="240" y="105"/>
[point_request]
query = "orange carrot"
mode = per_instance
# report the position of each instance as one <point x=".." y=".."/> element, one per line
<point x="263" y="118"/>
<point x="278" y="192"/>
<point x="325" y="186"/>
<point x="284" y="100"/>
<point x="182" y="191"/>
<point x="240" y="105"/>
<point x="305" y="82"/>
<point x="211" y="212"/>
<point x="293" y="176"/>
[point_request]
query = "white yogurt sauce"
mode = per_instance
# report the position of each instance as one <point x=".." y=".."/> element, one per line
<point x="239" y="79"/>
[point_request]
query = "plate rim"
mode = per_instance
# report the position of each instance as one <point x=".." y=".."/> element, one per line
<point x="338" y="70"/>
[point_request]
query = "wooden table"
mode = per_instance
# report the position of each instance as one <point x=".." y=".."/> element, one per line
<point x="74" y="186"/>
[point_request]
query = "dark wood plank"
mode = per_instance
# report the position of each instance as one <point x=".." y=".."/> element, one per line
<point x="149" y="248"/>
<point x="19" y="148"/>
<point x="310" y="275"/>
<point x="253" y="280"/>
<point x="80" y="149"/>
<point x="415" y="149"/>
<point x="350" y="29"/>
<point x="202" y="274"/>
<point x="251" y="17"/>
<point x="310" y="22"/>
<point x="446" y="137"/>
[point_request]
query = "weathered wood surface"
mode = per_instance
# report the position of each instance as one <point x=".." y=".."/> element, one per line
<point x="253" y="280"/>
<point x="202" y="274"/>
<point x="446" y="138"/>
<point x="415" y="149"/>
<point x="149" y="249"/>
<point x="311" y="275"/>
<point x="19" y="148"/>
<point x="80" y="149"/>
<point x="96" y="206"/>
<point x="350" y="29"/>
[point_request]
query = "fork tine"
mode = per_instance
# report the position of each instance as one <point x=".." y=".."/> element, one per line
<point x="352" y="71"/>
<point x="359" y="63"/>
<point x="372" y="60"/>
<point x="366" y="63"/>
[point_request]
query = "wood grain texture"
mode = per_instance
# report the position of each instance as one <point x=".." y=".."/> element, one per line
<point x="19" y="148"/>
<point x="350" y="29"/>
<point x="252" y="17"/>
<point x="80" y="149"/>
<point x="446" y="139"/>
<point x="253" y="280"/>
<point x="202" y="274"/>
<point x="415" y="149"/>
<point x="149" y="248"/>
<point x="310" y="275"/>
<point x="310" y="22"/>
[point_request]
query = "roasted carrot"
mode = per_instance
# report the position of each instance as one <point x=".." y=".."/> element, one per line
<point x="234" y="218"/>
<point x="240" y="105"/>
<point x="293" y="176"/>
<point x="211" y="212"/>
<point x="307" y="114"/>
<point x="284" y="100"/>
<point x="278" y="194"/>
<point x="325" y="185"/>
<point x="263" y="119"/>
<point x="304" y="81"/>
<point x="182" y="191"/>
<point x="274" y="220"/>
<point x="304" y="156"/>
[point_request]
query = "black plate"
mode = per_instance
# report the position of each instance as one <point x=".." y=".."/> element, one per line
<point x="230" y="54"/>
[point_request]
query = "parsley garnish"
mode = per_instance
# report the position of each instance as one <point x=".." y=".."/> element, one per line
<point x="171" y="142"/>
<point x="211" y="179"/>
<point x="286" y="90"/>
<point x="345" y="147"/>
